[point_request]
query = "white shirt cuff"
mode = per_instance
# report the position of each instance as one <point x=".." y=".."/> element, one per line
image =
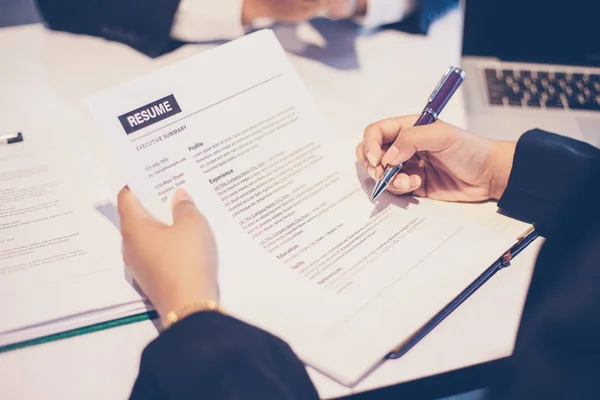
<point x="382" y="12"/>
<point x="203" y="20"/>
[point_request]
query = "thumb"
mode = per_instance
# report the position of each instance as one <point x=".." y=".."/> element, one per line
<point x="183" y="206"/>
<point x="434" y="137"/>
<point x="130" y="209"/>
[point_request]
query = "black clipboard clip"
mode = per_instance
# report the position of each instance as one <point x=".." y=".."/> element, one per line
<point x="504" y="261"/>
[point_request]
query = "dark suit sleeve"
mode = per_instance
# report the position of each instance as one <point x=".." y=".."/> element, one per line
<point x="143" y="25"/>
<point x="425" y="13"/>
<point x="546" y="169"/>
<point x="557" y="351"/>
<point x="211" y="356"/>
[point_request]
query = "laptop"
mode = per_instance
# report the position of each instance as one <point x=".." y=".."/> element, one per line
<point x="532" y="64"/>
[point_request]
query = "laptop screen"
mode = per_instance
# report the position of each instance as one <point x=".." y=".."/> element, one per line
<point x="541" y="31"/>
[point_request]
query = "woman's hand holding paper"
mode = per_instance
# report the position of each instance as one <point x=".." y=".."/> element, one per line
<point x="174" y="265"/>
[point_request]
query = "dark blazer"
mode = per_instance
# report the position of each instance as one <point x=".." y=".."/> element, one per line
<point x="145" y="25"/>
<point x="555" y="183"/>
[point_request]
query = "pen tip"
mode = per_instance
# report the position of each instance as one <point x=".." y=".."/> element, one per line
<point x="377" y="190"/>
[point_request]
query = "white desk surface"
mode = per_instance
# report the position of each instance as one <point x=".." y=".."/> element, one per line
<point x="44" y="77"/>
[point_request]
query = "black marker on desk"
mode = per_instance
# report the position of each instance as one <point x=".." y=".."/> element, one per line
<point x="12" y="138"/>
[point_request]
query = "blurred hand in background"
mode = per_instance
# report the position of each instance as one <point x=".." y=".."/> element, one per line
<point x="283" y="10"/>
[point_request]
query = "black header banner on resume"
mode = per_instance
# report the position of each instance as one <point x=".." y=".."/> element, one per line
<point x="149" y="114"/>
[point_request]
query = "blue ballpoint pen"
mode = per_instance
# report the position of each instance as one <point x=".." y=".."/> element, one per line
<point x="442" y="93"/>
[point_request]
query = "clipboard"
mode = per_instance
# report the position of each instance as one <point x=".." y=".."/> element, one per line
<point x="115" y="323"/>
<point x="503" y="262"/>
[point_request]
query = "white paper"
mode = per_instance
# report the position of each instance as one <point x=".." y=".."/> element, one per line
<point x="59" y="260"/>
<point x="461" y="340"/>
<point x="303" y="252"/>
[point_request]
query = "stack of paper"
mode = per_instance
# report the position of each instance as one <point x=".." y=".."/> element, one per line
<point x="60" y="260"/>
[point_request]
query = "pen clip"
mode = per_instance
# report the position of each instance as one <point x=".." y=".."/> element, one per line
<point x="440" y="83"/>
<point x="510" y="253"/>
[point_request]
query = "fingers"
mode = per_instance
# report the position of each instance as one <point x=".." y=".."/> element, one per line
<point x="302" y="10"/>
<point x="379" y="133"/>
<point x="130" y="210"/>
<point x="433" y="138"/>
<point x="183" y="206"/>
<point x="404" y="183"/>
<point x="411" y="180"/>
<point x="374" y="172"/>
<point x="339" y="9"/>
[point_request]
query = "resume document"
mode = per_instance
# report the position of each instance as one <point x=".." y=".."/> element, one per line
<point x="303" y="253"/>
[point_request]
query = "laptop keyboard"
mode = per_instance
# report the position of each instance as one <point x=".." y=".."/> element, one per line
<point x="536" y="89"/>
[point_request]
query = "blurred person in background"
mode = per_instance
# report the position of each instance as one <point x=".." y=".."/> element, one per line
<point x="155" y="27"/>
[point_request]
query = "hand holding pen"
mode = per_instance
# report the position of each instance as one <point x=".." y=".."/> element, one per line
<point x="442" y="93"/>
<point x="437" y="160"/>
